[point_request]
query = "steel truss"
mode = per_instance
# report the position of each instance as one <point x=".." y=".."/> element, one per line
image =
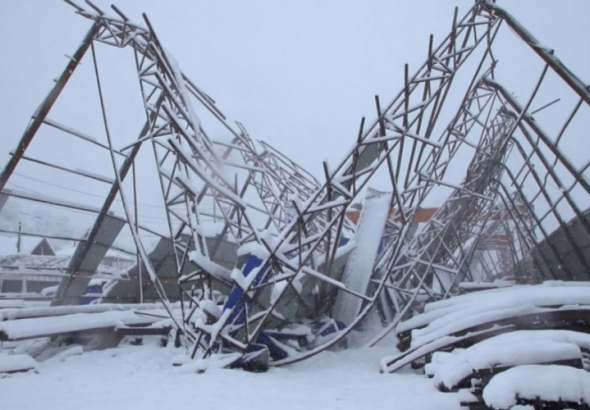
<point x="193" y="171"/>
<point x="513" y="219"/>
<point x="403" y="129"/>
<point x="455" y="241"/>
<point x="288" y="235"/>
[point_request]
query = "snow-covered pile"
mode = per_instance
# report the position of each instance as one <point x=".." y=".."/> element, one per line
<point x="390" y="364"/>
<point x="476" y="344"/>
<point x="476" y="316"/>
<point x="548" y="383"/>
<point x="16" y="363"/>
<point x="449" y="316"/>
<point x="21" y="304"/>
<point x="14" y="313"/>
<point x="52" y="325"/>
<point x="507" y="350"/>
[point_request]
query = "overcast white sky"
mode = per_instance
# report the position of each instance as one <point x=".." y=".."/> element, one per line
<point x="298" y="74"/>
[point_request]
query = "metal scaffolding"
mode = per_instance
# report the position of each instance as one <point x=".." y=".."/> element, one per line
<point x="279" y="278"/>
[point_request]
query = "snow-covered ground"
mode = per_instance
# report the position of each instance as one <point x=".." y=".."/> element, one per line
<point x="142" y="377"/>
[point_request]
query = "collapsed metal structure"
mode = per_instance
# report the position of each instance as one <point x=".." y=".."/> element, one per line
<point x="262" y="256"/>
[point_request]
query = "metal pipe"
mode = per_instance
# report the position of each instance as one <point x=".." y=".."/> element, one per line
<point x="46" y="105"/>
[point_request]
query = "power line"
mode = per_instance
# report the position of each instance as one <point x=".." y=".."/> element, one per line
<point x="78" y="191"/>
<point x="153" y="218"/>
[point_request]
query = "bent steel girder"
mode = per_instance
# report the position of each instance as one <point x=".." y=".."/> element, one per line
<point x="522" y="224"/>
<point x="548" y="55"/>
<point x="506" y="235"/>
<point x="92" y="248"/>
<point x="300" y="225"/>
<point x="192" y="171"/>
<point x="529" y="192"/>
<point x="540" y="185"/>
<point x="467" y="127"/>
<point x="518" y="192"/>
<point x="281" y="182"/>
<point x="446" y="244"/>
<point x="297" y="180"/>
<point x="405" y="127"/>
<point x="304" y="245"/>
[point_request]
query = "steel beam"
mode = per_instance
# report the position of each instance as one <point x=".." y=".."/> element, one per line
<point x="582" y="89"/>
<point x="46" y="105"/>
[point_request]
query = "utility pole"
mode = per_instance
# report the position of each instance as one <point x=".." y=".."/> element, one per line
<point x="18" y="242"/>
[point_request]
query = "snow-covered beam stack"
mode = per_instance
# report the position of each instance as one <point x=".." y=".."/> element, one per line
<point x="483" y="344"/>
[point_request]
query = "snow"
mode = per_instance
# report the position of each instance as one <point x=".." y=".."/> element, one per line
<point x="67" y="352"/>
<point x="254" y="248"/>
<point x="67" y="251"/>
<point x="359" y="267"/>
<point x="449" y="317"/>
<point x="562" y="283"/>
<point x="143" y="377"/>
<point x="19" y="304"/>
<point x="49" y="291"/>
<point x="45" y="326"/>
<point x="17" y="362"/>
<point x="244" y="282"/>
<point x="93" y="175"/>
<point x="44" y="310"/>
<point x="532" y="381"/>
<point x="444" y="312"/>
<point x="465" y="396"/>
<point x="184" y="94"/>
<point x="390" y="364"/>
<point x="208" y="265"/>
<point x="508" y="349"/>
<point x="453" y="323"/>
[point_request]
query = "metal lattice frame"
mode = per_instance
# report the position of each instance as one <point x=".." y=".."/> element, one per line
<point x="388" y="136"/>
<point x="403" y="123"/>
<point x="528" y="196"/>
<point x="447" y="242"/>
<point x="511" y="191"/>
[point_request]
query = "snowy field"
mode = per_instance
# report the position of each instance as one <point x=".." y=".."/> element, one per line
<point x="142" y="377"/>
